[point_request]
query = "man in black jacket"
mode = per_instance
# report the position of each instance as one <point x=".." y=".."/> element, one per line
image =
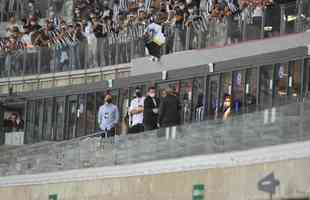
<point x="169" y="110"/>
<point x="150" y="113"/>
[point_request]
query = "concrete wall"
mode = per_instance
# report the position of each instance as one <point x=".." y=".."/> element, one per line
<point x="222" y="181"/>
<point x="221" y="184"/>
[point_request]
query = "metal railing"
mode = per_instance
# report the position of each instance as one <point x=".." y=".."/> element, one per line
<point x="201" y="32"/>
<point x="275" y="126"/>
<point x="83" y="55"/>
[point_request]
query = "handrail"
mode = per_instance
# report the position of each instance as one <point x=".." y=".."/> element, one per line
<point x="275" y="126"/>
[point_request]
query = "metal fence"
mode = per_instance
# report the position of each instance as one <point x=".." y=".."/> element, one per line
<point x="83" y="55"/>
<point x="201" y="32"/>
<point x="279" y="125"/>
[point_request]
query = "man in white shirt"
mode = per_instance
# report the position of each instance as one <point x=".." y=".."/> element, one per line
<point x="31" y="59"/>
<point x="155" y="39"/>
<point x="136" y="112"/>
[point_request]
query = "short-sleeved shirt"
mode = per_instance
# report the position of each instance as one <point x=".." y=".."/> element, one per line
<point x="135" y="103"/>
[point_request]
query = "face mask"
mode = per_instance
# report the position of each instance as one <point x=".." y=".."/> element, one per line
<point x="138" y="94"/>
<point x="109" y="101"/>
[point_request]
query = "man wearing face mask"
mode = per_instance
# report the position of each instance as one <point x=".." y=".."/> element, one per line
<point x="136" y="112"/>
<point x="150" y="114"/>
<point x="108" y="117"/>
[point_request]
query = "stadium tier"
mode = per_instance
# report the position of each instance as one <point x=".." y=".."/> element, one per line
<point x="274" y="73"/>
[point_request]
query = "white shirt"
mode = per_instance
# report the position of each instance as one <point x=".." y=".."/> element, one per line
<point x="134" y="104"/>
<point x="258" y="12"/>
<point x="26" y="39"/>
<point x="153" y="29"/>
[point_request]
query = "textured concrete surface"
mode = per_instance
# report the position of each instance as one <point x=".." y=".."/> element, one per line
<point x="221" y="183"/>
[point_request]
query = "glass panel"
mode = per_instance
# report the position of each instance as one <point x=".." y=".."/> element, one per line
<point x="99" y="102"/>
<point x="252" y="20"/>
<point x="81" y="115"/>
<point x="226" y="88"/>
<point x="3" y="70"/>
<point x="48" y="119"/>
<point x="46" y="60"/>
<point x="272" y="20"/>
<point x="124" y="103"/>
<point x="198" y="99"/>
<point x="305" y="14"/>
<point x="31" y="58"/>
<point x="295" y="78"/>
<point x="213" y="102"/>
<point x="238" y="90"/>
<point x="290" y="17"/>
<point x="38" y="120"/>
<point x="281" y="81"/>
<point x="71" y="118"/>
<point x="266" y="86"/>
<point x="90" y="113"/>
<point x="307" y="80"/>
<point x="59" y="118"/>
<point x="2" y="138"/>
<point x="251" y="88"/>
<point x="186" y="91"/>
<point x="30" y="122"/>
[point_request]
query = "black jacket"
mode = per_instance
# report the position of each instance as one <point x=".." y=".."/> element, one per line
<point x="169" y="111"/>
<point x="149" y="117"/>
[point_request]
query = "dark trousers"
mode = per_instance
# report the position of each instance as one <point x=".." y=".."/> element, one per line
<point x="154" y="49"/>
<point x="136" y="129"/>
<point x="149" y="127"/>
<point x="108" y="133"/>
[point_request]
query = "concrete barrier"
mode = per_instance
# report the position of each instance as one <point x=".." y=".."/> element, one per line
<point x="224" y="176"/>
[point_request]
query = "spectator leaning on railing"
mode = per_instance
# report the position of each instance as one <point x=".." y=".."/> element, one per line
<point x="98" y="20"/>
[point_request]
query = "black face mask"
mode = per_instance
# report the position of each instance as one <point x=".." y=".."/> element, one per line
<point x="138" y="94"/>
<point x="109" y="101"/>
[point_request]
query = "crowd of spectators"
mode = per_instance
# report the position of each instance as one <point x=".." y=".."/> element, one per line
<point x="93" y="19"/>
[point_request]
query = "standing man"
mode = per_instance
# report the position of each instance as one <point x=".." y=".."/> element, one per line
<point x="108" y="117"/>
<point x="136" y="110"/>
<point x="169" y="110"/>
<point x="150" y="114"/>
